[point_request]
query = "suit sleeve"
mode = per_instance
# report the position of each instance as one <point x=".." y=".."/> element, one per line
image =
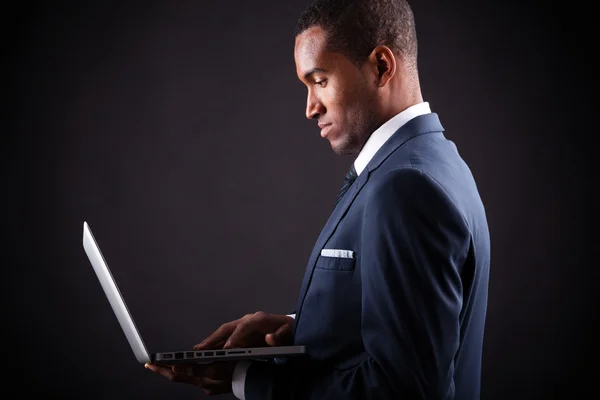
<point x="414" y="241"/>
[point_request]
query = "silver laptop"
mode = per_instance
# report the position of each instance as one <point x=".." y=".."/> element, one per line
<point x="278" y="354"/>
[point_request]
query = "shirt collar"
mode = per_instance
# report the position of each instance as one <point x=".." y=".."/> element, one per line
<point x="385" y="131"/>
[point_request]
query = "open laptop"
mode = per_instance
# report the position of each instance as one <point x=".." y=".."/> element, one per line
<point x="277" y="354"/>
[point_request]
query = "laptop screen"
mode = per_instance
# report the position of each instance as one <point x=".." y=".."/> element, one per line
<point x="114" y="295"/>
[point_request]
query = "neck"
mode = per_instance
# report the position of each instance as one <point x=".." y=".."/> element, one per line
<point x="403" y="92"/>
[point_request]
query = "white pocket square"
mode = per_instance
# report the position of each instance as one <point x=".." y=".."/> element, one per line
<point x="337" y="253"/>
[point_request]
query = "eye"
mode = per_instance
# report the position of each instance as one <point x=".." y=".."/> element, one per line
<point x="321" y="83"/>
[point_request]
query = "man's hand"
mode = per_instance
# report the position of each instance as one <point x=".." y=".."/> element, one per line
<point x="214" y="378"/>
<point x="252" y="330"/>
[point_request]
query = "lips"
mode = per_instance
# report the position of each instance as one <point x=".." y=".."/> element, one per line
<point x="324" y="129"/>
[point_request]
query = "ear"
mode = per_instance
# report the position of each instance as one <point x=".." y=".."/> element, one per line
<point x="384" y="63"/>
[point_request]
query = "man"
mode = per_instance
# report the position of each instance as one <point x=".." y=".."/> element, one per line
<point x="394" y="298"/>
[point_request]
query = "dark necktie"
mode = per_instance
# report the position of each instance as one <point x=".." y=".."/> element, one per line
<point x="350" y="177"/>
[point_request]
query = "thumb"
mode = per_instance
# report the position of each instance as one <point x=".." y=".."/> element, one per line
<point x="281" y="335"/>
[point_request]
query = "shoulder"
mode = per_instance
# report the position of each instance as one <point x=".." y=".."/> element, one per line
<point x="404" y="183"/>
<point x="411" y="192"/>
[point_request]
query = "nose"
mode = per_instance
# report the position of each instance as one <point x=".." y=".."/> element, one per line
<point x="314" y="107"/>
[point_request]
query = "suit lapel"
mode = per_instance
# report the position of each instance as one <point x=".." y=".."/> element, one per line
<point x="422" y="124"/>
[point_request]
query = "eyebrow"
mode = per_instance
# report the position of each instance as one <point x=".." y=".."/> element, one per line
<point x="312" y="71"/>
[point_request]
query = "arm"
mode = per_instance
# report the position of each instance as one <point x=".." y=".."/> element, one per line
<point x="413" y="242"/>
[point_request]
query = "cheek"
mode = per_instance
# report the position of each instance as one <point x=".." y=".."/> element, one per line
<point x="343" y="100"/>
<point x="354" y="108"/>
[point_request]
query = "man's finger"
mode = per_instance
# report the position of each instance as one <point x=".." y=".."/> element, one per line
<point x="239" y="337"/>
<point x="209" y="383"/>
<point x="281" y="335"/>
<point x="210" y="346"/>
<point x="185" y="369"/>
<point x="159" y="369"/>
<point x="168" y="373"/>
<point x="220" y="335"/>
<point x="196" y="370"/>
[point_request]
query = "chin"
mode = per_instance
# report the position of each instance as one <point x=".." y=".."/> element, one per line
<point x="343" y="146"/>
<point x="342" y="150"/>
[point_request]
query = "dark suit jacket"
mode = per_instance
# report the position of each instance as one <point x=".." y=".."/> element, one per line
<point x="404" y="318"/>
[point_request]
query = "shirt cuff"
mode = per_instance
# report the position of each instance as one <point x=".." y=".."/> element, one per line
<point x="239" y="379"/>
<point x="292" y="315"/>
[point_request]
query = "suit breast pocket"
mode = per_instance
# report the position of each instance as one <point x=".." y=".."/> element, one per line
<point x="331" y="316"/>
<point x="335" y="263"/>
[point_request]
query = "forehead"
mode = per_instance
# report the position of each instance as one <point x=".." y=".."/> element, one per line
<point x="310" y="50"/>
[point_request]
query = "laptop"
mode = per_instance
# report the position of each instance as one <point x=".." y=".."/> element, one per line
<point x="277" y="354"/>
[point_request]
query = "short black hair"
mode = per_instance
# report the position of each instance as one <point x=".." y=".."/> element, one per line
<point x="355" y="27"/>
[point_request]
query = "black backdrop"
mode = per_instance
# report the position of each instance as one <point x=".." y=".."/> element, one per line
<point x="177" y="130"/>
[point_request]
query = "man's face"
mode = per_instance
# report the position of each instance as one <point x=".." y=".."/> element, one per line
<point x="339" y="94"/>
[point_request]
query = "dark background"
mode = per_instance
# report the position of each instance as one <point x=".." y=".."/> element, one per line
<point x="177" y="130"/>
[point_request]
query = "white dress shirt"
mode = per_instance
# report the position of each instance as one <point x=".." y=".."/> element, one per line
<point x="372" y="145"/>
